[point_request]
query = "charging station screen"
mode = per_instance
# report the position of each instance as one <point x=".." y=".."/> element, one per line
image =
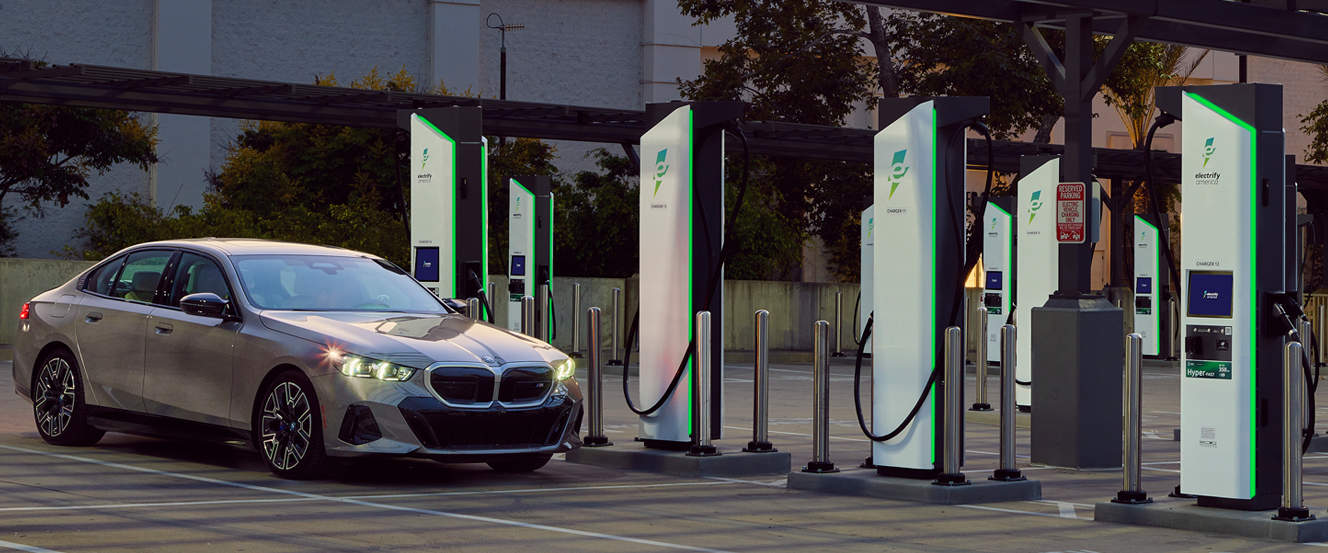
<point x="1143" y="285"/>
<point x="518" y="265"/>
<point x="1210" y="294"/>
<point x="426" y="264"/>
<point x="994" y="280"/>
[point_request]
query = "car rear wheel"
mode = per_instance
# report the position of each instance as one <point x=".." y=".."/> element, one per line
<point x="528" y="463"/>
<point x="58" y="404"/>
<point x="287" y="430"/>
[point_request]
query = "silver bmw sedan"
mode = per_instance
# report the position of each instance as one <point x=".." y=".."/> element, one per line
<point x="307" y="352"/>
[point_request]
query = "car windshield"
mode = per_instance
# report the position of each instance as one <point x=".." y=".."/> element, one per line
<point x="331" y="283"/>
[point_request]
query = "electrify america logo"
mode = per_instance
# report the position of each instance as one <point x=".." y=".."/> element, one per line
<point x="424" y="159"/>
<point x="1209" y="148"/>
<point x="1034" y="205"/>
<point x="661" y="169"/>
<point x="897" y="172"/>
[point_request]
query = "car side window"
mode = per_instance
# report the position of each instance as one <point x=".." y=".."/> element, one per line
<point x="195" y="274"/>
<point x="102" y="280"/>
<point x="142" y="271"/>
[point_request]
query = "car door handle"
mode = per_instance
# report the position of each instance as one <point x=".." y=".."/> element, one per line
<point x="164" y="328"/>
<point x="92" y="317"/>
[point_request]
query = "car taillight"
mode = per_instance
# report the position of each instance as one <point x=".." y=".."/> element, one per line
<point x="23" y="315"/>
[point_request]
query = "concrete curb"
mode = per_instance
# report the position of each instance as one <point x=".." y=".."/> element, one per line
<point x="1184" y="515"/>
<point x="866" y="483"/>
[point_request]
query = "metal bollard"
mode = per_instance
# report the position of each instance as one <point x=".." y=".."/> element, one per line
<point x="595" y="436"/>
<point x="528" y="316"/>
<point x="954" y="395"/>
<point x="701" y="446"/>
<point x="542" y="322"/>
<point x="839" y="325"/>
<point x="1007" y="472"/>
<point x="1323" y="325"/>
<point x="1293" y="507"/>
<point x="473" y="308"/>
<point x="820" y="462"/>
<point x="576" y="327"/>
<point x="1132" y="492"/>
<point x="761" y="383"/>
<point x="617" y="330"/>
<point x="980" y="318"/>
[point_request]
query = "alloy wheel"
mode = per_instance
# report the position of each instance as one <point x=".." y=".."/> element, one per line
<point x="286" y="426"/>
<point x="55" y="397"/>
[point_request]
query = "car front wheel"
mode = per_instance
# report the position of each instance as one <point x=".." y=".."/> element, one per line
<point x="287" y="430"/>
<point x="58" y="403"/>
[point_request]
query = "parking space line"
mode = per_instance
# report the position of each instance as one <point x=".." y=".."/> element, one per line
<point x="446" y="514"/>
<point x="373" y="496"/>
<point x="1015" y="511"/>
<point x="27" y="548"/>
<point x="797" y="434"/>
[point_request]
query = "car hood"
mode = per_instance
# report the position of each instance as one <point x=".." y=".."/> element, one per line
<point x="413" y="340"/>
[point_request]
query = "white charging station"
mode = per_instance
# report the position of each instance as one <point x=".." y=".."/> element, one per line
<point x="682" y="232"/>
<point x="918" y="282"/>
<point x="998" y="253"/>
<point x="1038" y="259"/>
<point x="868" y="268"/>
<point x="529" y="248"/>
<point x="448" y="200"/>
<point x="1150" y="291"/>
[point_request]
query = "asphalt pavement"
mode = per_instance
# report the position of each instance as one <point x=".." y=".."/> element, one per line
<point x="130" y="493"/>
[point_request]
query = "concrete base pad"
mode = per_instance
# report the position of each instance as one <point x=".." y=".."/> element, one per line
<point x="865" y="482"/>
<point x="1185" y="515"/>
<point x="634" y="456"/>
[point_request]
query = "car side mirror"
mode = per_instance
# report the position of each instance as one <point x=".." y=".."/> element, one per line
<point x="204" y="304"/>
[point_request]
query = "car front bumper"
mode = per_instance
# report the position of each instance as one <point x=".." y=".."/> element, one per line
<point x="397" y="420"/>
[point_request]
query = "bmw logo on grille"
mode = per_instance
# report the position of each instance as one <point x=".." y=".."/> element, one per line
<point x="489" y="361"/>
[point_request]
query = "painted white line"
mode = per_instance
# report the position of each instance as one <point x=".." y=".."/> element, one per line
<point x="1050" y="502"/>
<point x="367" y="497"/>
<point x="21" y="547"/>
<point x="368" y="503"/>
<point x="1162" y="463"/>
<point x="1066" y="509"/>
<point x="777" y="483"/>
<point x="1013" y="511"/>
<point x="797" y="434"/>
<point x="1017" y="456"/>
<point x="1161" y="470"/>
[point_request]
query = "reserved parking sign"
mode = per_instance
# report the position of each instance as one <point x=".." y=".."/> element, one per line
<point x="1071" y="212"/>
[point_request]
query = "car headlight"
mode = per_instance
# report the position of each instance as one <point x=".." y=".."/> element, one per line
<point x="363" y="367"/>
<point x="565" y="370"/>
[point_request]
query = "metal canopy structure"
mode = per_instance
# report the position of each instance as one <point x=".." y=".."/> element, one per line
<point x="209" y="96"/>
<point x="1286" y="29"/>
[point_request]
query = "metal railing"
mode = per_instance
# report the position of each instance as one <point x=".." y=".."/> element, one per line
<point x="701" y="446"/>
<point x="953" y="395"/>
<point x="820" y="462"/>
<point x="761" y="384"/>
<point x="595" y="436"/>
<point x="1132" y="491"/>
<point x="1008" y="472"/>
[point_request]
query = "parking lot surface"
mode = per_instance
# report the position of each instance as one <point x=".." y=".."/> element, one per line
<point x="130" y="493"/>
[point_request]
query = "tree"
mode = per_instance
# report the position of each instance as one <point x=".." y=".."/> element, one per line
<point x="48" y="152"/>
<point x="1316" y="126"/>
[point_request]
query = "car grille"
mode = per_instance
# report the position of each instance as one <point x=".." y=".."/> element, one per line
<point x="442" y="428"/>
<point x="462" y="385"/>
<point x="525" y="384"/>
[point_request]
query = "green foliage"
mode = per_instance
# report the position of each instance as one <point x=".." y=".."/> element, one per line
<point x="1316" y="126"/>
<point x="48" y="152"/>
<point x="597" y="220"/>
<point x="939" y="55"/>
